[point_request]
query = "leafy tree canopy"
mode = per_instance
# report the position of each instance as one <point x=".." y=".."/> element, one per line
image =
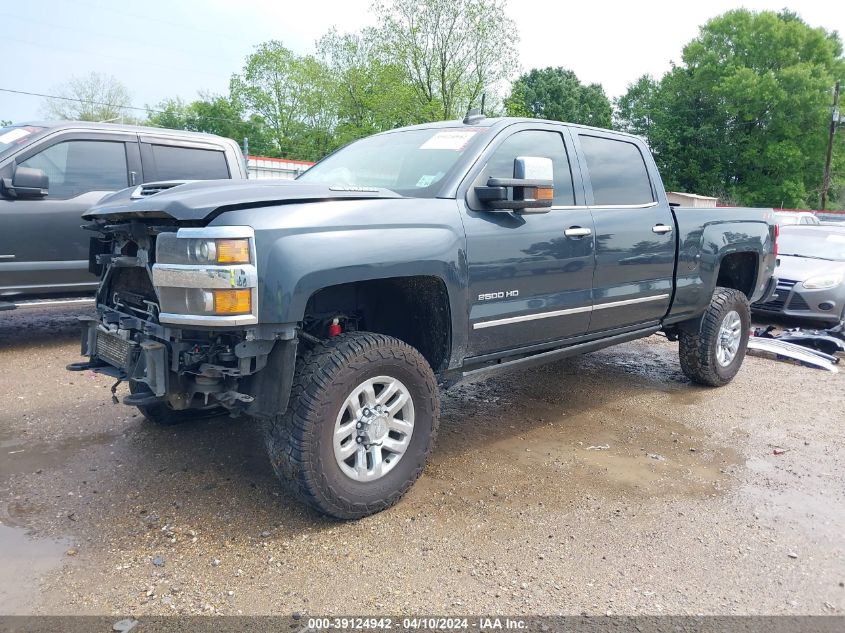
<point x="451" y="51"/>
<point x="214" y="114"/>
<point x="745" y="116"/>
<point x="370" y="92"/>
<point x="557" y="94"/>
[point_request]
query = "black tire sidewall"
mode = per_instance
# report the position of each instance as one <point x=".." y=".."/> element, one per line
<point x="412" y="460"/>
<point x="740" y="306"/>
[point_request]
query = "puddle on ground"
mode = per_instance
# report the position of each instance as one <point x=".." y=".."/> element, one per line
<point x="20" y="455"/>
<point x="25" y="560"/>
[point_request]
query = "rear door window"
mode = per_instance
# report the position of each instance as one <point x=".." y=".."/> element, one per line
<point x="77" y="167"/>
<point x="188" y="163"/>
<point x="617" y="171"/>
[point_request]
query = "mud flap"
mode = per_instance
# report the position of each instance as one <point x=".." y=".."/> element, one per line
<point x="271" y="386"/>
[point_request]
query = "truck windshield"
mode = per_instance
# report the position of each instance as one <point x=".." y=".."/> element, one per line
<point x="410" y="162"/>
<point x="12" y="137"/>
<point x="814" y="244"/>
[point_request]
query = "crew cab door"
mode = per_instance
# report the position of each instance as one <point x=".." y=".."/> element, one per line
<point x="530" y="274"/>
<point x="43" y="248"/>
<point x="635" y="237"/>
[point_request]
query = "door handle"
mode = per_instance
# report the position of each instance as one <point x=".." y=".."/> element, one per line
<point x="577" y="231"/>
<point x="7" y="256"/>
<point x="661" y="229"/>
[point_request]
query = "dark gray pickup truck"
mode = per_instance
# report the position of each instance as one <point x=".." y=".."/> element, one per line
<point x="50" y="172"/>
<point x="330" y="307"/>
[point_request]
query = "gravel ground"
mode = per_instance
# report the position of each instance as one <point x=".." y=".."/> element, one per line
<point x="602" y="484"/>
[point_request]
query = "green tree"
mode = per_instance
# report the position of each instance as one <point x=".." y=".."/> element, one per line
<point x="451" y="51"/>
<point x="292" y="95"/>
<point x="745" y="116"/>
<point x="214" y="114"/>
<point x="370" y="93"/>
<point x="557" y="94"/>
<point x="93" y="97"/>
<point x="633" y="110"/>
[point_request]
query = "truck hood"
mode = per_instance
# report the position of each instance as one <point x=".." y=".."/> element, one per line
<point x="205" y="199"/>
<point x="801" y="268"/>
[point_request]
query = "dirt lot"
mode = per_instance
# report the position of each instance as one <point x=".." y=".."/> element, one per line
<point x="601" y="484"/>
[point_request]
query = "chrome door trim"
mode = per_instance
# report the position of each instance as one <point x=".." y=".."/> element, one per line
<point x="530" y="317"/>
<point x="628" y="302"/>
<point x="599" y="207"/>
<point x="556" y="313"/>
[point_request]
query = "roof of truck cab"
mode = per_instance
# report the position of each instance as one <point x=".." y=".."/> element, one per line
<point x="501" y="122"/>
<point x="116" y="127"/>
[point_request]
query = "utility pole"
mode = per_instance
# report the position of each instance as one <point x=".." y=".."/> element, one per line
<point x="834" y="121"/>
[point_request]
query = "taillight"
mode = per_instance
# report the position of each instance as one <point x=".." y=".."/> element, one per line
<point x="777" y="235"/>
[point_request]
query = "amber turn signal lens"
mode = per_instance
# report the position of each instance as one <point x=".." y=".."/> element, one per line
<point x="232" y="301"/>
<point x="232" y="251"/>
<point x="544" y="193"/>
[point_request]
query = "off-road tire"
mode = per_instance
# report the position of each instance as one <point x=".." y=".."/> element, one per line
<point x="299" y="442"/>
<point x="698" y="348"/>
<point x="161" y="414"/>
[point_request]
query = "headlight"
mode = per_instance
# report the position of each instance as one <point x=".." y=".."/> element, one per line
<point x="207" y="276"/>
<point x="205" y="302"/>
<point x="171" y="249"/>
<point x="821" y="282"/>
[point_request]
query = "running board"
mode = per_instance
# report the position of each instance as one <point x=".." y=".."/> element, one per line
<point x="803" y="355"/>
<point x="562" y="352"/>
<point x="39" y="303"/>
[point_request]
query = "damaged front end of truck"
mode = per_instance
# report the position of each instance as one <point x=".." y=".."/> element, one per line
<point x="177" y="318"/>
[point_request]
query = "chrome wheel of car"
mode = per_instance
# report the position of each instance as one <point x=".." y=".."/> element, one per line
<point x="373" y="428"/>
<point x="730" y="336"/>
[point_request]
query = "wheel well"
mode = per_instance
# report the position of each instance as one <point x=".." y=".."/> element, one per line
<point x="738" y="271"/>
<point x="413" y="309"/>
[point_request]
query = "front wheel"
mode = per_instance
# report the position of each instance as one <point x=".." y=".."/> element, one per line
<point x="713" y="354"/>
<point x="361" y="422"/>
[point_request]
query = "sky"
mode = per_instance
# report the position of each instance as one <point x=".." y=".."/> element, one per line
<point x="167" y="48"/>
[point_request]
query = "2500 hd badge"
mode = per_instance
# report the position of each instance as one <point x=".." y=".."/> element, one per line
<point x="507" y="294"/>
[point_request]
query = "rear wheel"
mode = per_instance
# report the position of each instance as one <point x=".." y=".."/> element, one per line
<point x="360" y="424"/>
<point x="713" y="354"/>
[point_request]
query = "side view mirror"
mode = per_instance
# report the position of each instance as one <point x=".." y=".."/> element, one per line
<point x="26" y="182"/>
<point x="531" y="190"/>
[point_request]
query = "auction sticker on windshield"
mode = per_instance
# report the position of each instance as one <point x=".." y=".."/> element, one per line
<point x="449" y="139"/>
